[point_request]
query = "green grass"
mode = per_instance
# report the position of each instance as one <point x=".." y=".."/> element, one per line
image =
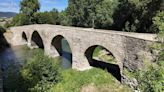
<point x="106" y="58"/>
<point x="74" y="81"/>
<point x="96" y="51"/>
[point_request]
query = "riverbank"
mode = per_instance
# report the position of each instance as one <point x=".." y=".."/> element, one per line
<point x="93" y="80"/>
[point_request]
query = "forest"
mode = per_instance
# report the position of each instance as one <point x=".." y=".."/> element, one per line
<point x="122" y="15"/>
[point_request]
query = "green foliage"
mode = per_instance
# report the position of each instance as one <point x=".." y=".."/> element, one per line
<point x="152" y="80"/>
<point x="99" y="55"/>
<point x="28" y="8"/>
<point x="26" y="16"/>
<point x="126" y="15"/>
<point x="91" y="13"/>
<point x="136" y="15"/>
<point x="159" y="24"/>
<point x="104" y="12"/>
<point x="63" y="18"/>
<point x="47" y="17"/>
<point x="19" y="20"/>
<point x="41" y="72"/>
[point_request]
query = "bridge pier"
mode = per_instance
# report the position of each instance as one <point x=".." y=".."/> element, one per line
<point x="50" y="51"/>
<point x="79" y="61"/>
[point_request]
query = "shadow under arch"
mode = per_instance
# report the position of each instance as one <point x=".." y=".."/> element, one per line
<point x="36" y="40"/>
<point x="24" y="37"/>
<point x="62" y="46"/>
<point x="114" y="69"/>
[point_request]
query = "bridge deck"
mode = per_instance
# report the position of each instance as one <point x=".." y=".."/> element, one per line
<point x="144" y="36"/>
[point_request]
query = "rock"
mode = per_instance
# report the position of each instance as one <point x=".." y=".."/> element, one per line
<point x="131" y="82"/>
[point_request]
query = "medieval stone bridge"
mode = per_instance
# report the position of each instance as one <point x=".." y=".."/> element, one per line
<point x="125" y="47"/>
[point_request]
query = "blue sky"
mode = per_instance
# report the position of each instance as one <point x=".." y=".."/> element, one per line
<point x="46" y="5"/>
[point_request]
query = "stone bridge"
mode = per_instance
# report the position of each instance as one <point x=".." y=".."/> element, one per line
<point x="125" y="46"/>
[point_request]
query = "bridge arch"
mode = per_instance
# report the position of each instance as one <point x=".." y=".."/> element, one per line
<point x="93" y="57"/>
<point x="36" y="40"/>
<point x="60" y="44"/>
<point x="24" y="37"/>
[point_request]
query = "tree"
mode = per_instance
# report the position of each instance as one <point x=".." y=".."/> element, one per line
<point x="55" y="16"/>
<point x="28" y="8"/>
<point x="104" y="13"/>
<point x="91" y="13"/>
<point x="19" y="20"/>
<point x="136" y="15"/>
<point x="63" y="18"/>
<point x="51" y="17"/>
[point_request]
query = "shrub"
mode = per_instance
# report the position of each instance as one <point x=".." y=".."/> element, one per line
<point x="41" y="72"/>
<point x="152" y="80"/>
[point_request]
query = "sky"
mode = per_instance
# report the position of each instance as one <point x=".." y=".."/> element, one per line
<point x="46" y="5"/>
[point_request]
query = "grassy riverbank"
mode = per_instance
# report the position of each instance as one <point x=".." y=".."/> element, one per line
<point x="93" y="80"/>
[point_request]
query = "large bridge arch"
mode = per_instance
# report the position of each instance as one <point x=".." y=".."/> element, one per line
<point x="60" y="44"/>
<point x="36" y="40"/>
<point x="114" y="69"/>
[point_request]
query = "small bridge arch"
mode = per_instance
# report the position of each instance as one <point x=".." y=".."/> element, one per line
<point x="36" y="40"/>
<point x="24" y="37"/>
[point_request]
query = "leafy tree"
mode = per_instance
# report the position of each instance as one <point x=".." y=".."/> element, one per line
<point x="91" y="13"/>
<point x="51" y="17"/>
<point x="55" y="16"/>
<point x="63" y="18"/>
<point x="40" y="72"/>
<point x="44" y="18"/>
<point x="28" y="8"/>
<point x="19" y="20"/>
<point x="104" y="13"/>
<point x="136" y="15"/>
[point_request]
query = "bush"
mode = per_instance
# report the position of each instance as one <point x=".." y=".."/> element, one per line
<point x="152" y="80"/>
<point x="41" y="72"/>
<point x="158" y="21"/>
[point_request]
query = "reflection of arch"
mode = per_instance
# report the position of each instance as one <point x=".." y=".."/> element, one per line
<point x="111" y="68"/>
<point x="36" y="40"/>
<point x="62" y="46"/>
<point x="24" y="37"/>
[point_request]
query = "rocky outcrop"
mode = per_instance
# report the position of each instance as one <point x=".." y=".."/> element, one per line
<point x="136" y="51"/>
